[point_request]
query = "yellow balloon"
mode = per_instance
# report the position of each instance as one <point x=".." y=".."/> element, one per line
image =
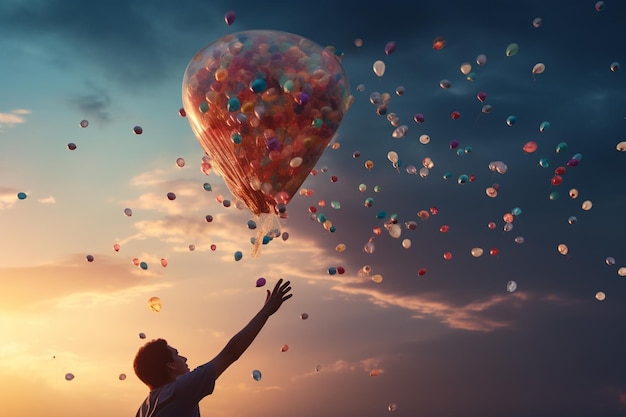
<point x="154" y="304"/>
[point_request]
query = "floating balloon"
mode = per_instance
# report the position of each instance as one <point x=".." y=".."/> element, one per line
<point x="610" y="260"/>
<point x="84" y="123"/>
<point x="122" y="377"/>
<point x="379" y="68"/>
<point x="510" y="121"/>
<point x="537" y="21"/>
<point x="21" y="196"/>
<point x="481" y="96"/>
<point x="511" y="286"/>
<point x="599" y="6"/>
<point x="539" y="68"/>
<point x="544" y="126"/>
<point x="142" y="335"/>
<point x="284" y="348"/>
<point x="587" y="205"/>
<point x="154" y="304"/>
<point x="138" y="130"/>
<point x="260" y="282"/>
<point x="358" y="42"/>
<point x="69" y="376"/>
<point x="71" y="146"/>
<point x="292" y="94"/>
<point x="304" y="316"/>
<point x="530" y="147"/>
<point x="418" y="118"/>
<point x="89" y="258"/>
<point x="499" y="167"/>
<point x="256" y="375"/>
<point x="392" y="407"/>
<point x="390" y="47"/>
<point x="465" y="68"/>
<point x="512" y="49"/>
<point x="377" y="279"/>
<point x="622" y="271"/>
<point x="614" y="67"/>
<point x="481" y="60"/>
<point x="229" y="17"/>
<point x="477" y="252"/>
<point x="600" y="296"/>
<point x="180" y="162"/>
<point x="562" y="248"/>
<point x="439" y="43"/>
<point x="116" y="247"/>
<point x="445" y="84"/>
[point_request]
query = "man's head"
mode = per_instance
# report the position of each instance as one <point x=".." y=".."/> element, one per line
<point x="157" y="363"/>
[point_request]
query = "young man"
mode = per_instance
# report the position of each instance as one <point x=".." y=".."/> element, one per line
<point x="175" y="391"/>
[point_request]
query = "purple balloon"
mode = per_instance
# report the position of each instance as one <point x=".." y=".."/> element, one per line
<point x="419" y="118"/>
<point x="454" y="144"/>
<point x="260" y="282"/>
<point x="572" y="162"/>
<point x="229" y="17"/>
<point x="390" y="47"/>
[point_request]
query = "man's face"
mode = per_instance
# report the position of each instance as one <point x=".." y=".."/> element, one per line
<point x="179" y="363"/>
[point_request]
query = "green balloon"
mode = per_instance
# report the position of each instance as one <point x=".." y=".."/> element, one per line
<point x="512" y="49"/>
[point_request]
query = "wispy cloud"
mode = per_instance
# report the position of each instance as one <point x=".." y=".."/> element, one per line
<point x="484" y="315"/>
<point x="95" y="105"/>
<point x="14" y="117"/>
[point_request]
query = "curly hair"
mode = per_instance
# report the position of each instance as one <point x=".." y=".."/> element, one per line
<point x="150" y="363"/>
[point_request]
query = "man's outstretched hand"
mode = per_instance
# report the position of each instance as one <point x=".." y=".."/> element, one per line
<point x="277" y="297"/>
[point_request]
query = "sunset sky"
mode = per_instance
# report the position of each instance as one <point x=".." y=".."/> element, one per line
<point x="453" y="340"/>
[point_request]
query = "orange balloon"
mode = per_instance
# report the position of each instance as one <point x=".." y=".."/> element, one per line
<point x="439" y="43"/>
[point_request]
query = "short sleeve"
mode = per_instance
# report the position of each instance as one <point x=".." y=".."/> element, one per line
<point x="197" y="384"/>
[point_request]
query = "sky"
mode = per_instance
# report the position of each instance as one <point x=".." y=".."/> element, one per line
<point x="418" y="324"/>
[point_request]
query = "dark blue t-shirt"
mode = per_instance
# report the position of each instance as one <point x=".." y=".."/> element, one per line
<point x="181" y="397"/>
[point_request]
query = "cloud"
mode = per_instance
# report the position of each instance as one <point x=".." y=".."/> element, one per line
<point x="94" y="106"/>
<point x="487" y="314"/>
<point x="14" y="117"/>
<point x="27" y="288"/>
<point x="47" y="200"/>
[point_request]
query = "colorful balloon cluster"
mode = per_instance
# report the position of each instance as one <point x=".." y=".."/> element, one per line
<point x="264" y="105"/>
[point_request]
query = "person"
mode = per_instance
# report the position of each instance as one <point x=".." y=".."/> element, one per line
<point x="177" y="391"/>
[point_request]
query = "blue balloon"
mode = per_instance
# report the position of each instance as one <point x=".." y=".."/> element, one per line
<point x="238" y="255"/>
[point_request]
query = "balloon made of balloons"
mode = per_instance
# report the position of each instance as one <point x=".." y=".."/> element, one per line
<point x="379" y="68"/>
<point x="258" y="99"/>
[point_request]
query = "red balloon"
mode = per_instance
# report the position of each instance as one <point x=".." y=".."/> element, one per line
<point x="556" y="180"/>
<point x="494" y="251"/>
<point x="263" y="112"/>
<point x="439" y="43"/>
<point x="455" y="115"/>
<point x="421" y="272"/>
<point x="481" y="96"/>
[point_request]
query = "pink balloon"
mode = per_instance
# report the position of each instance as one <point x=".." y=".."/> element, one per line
<point x="481" y="96"/>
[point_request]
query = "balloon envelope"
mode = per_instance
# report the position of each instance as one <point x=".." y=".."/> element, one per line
<point x="379" y="68"/>
<point x="291" y="96"/>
